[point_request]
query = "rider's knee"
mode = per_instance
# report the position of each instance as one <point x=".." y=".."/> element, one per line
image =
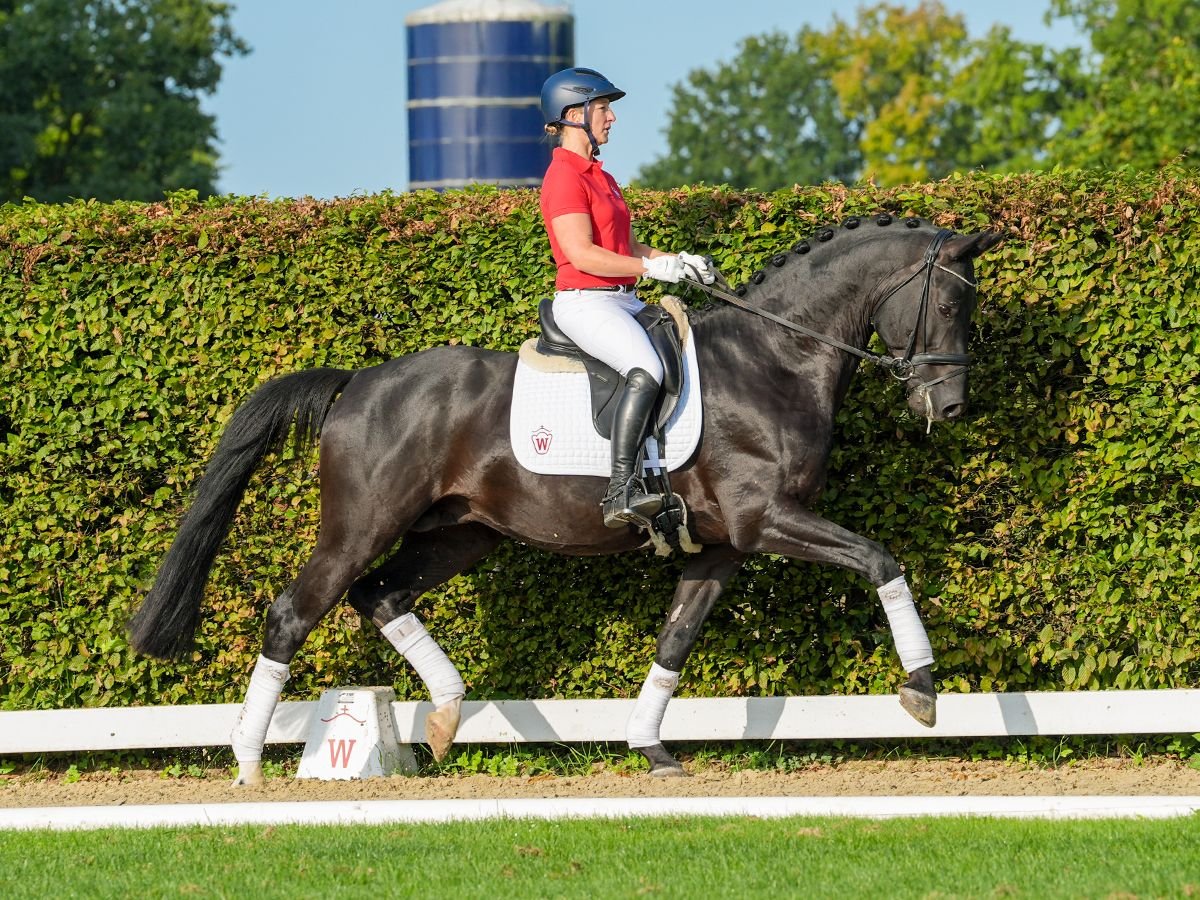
<point x="643" y="379"/>
<point x="653" y="368"/>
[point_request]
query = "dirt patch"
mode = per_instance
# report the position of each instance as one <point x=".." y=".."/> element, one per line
<point x="1111" y="777"/>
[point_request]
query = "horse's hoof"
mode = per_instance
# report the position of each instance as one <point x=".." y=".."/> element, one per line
<point x="441" y="726"/>
<point x="249" y="775"/>
<point x="918" y="697"/>
<point x="662" y="763"/>
<point x="675" y="771"/>
<point x="921" y="705"/>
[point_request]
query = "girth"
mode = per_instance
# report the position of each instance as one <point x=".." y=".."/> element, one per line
<point x="604" y="383"/>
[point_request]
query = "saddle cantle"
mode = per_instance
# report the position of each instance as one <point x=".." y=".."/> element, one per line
<point x="664" y="326"/>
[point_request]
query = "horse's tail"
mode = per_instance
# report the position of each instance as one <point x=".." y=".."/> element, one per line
<point x="166" y="622"/>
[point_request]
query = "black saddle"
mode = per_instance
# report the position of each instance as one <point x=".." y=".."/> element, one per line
<point x="604" y="381"/>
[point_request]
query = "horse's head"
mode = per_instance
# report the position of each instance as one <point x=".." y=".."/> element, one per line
<point x="923" y="313"/>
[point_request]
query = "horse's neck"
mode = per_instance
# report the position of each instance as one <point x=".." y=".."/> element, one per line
<point x="831" y="301"/>
<point x="831" y="296"/>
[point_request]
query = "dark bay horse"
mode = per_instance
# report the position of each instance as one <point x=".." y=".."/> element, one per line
<point x="768" y="430"/>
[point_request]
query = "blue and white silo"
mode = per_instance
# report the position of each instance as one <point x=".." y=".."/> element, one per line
<point x="475" y="73"/>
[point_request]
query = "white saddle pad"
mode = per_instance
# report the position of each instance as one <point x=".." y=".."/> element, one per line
<point x="551" y="424"/>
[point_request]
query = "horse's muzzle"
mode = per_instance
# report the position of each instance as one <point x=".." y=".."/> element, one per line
<point x="938" y="400"/>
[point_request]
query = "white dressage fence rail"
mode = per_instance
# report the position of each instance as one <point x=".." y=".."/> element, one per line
<point x="712" y="719"/>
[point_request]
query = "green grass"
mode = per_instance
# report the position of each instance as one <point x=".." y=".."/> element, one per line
<point x="682" y="858"/>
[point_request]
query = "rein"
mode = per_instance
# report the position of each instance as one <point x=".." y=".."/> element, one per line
<point x="902" y="368"/>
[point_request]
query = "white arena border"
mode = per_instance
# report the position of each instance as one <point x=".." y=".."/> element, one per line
<point x="1058" y="713"/>
<point x="387" y="812"/>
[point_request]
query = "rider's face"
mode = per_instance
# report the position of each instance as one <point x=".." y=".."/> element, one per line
<point x="600" y="118"/>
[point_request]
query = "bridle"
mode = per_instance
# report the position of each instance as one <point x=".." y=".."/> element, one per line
<point x="903" y="368"/>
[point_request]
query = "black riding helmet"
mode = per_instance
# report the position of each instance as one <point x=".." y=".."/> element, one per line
<point x="576" y="87"/>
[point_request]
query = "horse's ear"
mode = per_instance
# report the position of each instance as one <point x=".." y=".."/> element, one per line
<point x="968" y="246"/>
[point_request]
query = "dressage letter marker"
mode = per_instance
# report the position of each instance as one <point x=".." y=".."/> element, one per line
<point x="352" y="736"/>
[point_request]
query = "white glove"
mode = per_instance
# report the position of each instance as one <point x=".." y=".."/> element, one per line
<point x="697" y="268"/>
<point x="664" y="268"/>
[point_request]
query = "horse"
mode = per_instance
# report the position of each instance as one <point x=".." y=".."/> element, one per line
<point x="786" y="360"/>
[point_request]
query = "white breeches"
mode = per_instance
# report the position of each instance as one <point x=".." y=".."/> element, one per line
<point x="603" y="325"/>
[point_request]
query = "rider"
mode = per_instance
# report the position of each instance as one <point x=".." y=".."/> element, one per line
<point x="598" y="260"/>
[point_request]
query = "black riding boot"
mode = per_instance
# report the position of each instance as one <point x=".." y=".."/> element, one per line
<point x="626" y="499"/>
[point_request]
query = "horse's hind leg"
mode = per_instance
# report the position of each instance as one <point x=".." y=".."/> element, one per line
<point x="386" y="596"/>
<point x="334" y="564"/>
<point x="703" y="579"/>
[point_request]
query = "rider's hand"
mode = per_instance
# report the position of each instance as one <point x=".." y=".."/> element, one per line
<point x="664" y="268"/>
<point x="697" y="268"/>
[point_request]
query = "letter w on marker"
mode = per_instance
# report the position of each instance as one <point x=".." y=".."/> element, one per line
<point x="340" y="750"/>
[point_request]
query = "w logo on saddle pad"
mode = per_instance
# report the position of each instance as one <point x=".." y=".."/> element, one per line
<point x="541" y="441"/>
<point x="551" y="428"/>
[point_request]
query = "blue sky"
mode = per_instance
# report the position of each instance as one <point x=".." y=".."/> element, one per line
<point x="318" y="107"/>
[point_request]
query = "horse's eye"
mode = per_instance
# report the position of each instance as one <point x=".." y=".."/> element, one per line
<point x="946" y="310"/>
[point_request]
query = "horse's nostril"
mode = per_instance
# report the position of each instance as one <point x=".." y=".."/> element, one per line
<point x="953" y="410"/>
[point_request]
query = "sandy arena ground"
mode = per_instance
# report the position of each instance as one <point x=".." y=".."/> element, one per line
<point x="1111" y="777"/>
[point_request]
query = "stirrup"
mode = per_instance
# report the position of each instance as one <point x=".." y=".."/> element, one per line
<point x="629" y="504"/>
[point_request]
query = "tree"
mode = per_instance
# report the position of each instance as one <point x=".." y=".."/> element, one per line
<point x="768" y="118"/>
<point x="890" y="69"/>
<point x="928" y="100"/>
<point x="1142" y="77"/>
<point x="1007" y="103"/>
<point x="101" y="98"/>
<point x="897" y="95"/>
<point x="903" y="94"/>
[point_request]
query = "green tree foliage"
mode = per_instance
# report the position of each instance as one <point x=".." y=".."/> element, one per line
<point x="928" y="101"/>
<point x="101" y="98"/>
<point x="891" y="69"/>
<point x="1007" y="103"/>
<point x="768" y="118"/>
<point x="1143" y="83"/>
<point x="907" y="95"/>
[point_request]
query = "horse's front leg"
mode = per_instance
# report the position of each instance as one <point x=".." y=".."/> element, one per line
<point x="704" y="576"/>
<point x="789" y="529"/>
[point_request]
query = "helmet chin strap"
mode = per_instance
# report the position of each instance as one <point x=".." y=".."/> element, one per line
<point x="586" y="126"/>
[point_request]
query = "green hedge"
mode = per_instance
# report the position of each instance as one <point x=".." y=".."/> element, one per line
<point x="1050" y="538"/>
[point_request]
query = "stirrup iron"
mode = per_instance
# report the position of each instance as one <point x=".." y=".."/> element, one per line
<point x="629" y="504"/>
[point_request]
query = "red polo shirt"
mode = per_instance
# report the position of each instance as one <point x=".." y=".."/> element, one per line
<point x="576" y="185"/>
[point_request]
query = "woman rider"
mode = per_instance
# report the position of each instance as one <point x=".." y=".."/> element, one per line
<point x="599" y="259"/>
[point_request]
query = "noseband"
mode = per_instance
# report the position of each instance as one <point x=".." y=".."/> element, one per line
<point x="903" y="367"/>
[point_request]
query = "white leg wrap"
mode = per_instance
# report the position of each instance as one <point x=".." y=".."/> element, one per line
<point x="651" y="706"/>
<point x="414" y="643"/>
<point x="250" y="732"/>
<point x="912" y="644"/>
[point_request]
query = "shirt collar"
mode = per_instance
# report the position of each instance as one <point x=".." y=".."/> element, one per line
<point x="575" y="161"/>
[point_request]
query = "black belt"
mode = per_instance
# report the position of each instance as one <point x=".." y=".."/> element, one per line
<point x="612" y="288"/>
